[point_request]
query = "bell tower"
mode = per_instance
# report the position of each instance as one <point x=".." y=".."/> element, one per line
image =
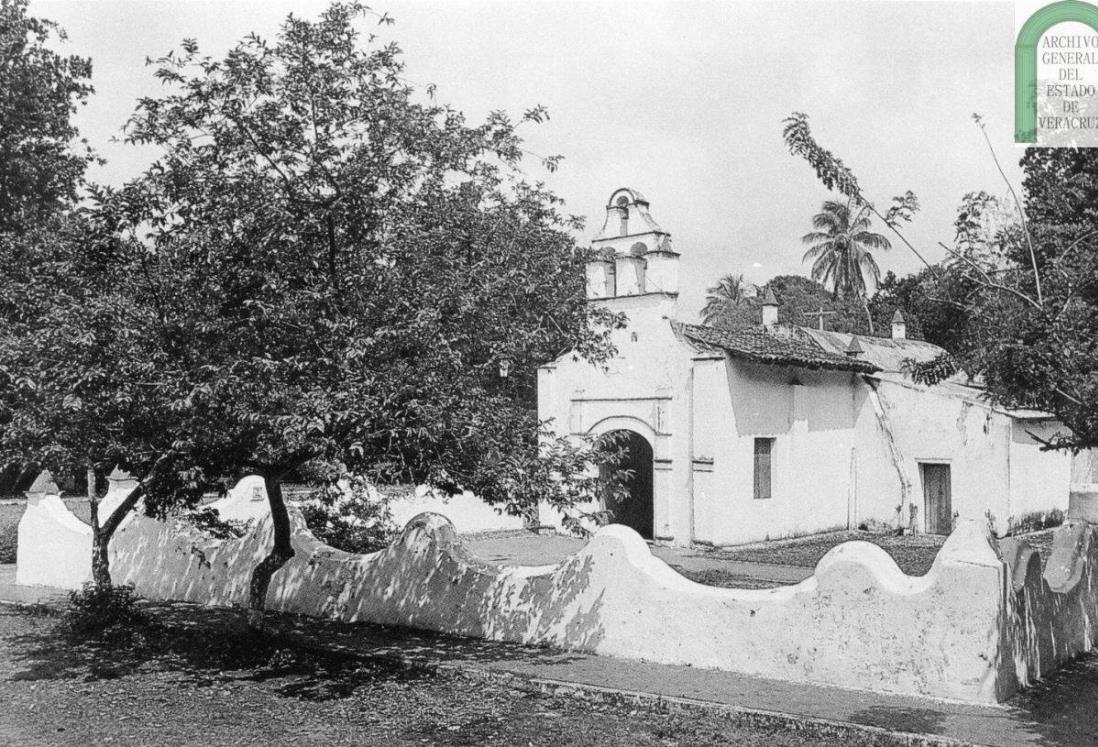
<point x="635" y="257"/>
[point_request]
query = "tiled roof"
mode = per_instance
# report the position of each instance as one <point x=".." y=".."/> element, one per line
<point x="883" y="352"/>
<point x="783" y="346"/>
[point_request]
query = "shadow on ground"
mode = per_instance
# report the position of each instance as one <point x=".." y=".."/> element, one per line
<point x="914" y="720"/>
<point x="210" y="647"/>
<point x="1062" y="709"/>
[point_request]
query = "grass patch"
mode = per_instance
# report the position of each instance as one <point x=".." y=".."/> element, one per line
<point x="913" y="553"/>
<point x="727" y="580"/>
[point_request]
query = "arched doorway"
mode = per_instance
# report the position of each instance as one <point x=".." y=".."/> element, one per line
<point x="636" y="510"/>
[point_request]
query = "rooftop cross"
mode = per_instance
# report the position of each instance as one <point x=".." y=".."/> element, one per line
<point x="821" y="314"/>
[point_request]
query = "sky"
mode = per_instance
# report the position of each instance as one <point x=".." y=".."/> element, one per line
<point x="680" y="100"/>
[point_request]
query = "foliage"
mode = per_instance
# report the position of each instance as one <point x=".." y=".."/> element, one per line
<point x="40" y="90"/>
<point x="1061" y="188"/>
<point x="727" y="305"/>
<point x="932" y="371"/>
<point x="102" y="611"/>
<point x="1026" y="293"/>
<point x="830" y="170"/>
<point x="319" y="265"/>
<point x="350" y="515"/>
<point x="985" y="228"/>
<point x="1036" y="340"/>
<point x="340" y="268"/>
<point x="208" y="520"/>
<point x="800" y="298"/>
<point x="1035" y="521"/>
<point x="840" y="248"/>
<point x="925" y="299"/>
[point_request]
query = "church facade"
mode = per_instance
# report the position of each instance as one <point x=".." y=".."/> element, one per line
<point x="773" y="431"/>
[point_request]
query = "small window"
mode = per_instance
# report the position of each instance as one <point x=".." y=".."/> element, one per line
<point x="764" y="447"/>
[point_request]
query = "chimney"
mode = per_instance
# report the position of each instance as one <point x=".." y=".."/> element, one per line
<point x="899" y="326"/>
<point x="855" y="349"/>
<point x="769" y="309"/>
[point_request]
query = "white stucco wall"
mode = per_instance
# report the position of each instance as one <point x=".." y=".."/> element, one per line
<point x="1052" y="611"/>
<point x="646" y="389"/>
<point x="847" y="448"/>
<point x="468" y="513"/>
<point x="53" y="546"/>
<point x="994" y="465"/>
<point x="937" y="635"/>
<point x="973" y="628"/>
<point x="1039" y="479"/>
<point x="247" y="501"/>
<point x="812" y="423"/>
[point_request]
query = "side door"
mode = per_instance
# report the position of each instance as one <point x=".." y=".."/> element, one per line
<point x="937" y="499"/>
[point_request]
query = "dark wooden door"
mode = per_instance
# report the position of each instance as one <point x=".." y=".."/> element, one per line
<point x="938" y="502"/>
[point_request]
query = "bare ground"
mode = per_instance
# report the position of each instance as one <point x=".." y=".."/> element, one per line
<point x="220" y="686"/>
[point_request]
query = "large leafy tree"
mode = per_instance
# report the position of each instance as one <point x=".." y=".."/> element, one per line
<point x="841" y="247"/>
<point x="340" y="269"/>
<point x="41" y="162"/>
<point x="80" y="383"/>
<point x="1031" y="320"/>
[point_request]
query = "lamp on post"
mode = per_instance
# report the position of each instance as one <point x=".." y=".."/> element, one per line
<point x="504" y="367"/>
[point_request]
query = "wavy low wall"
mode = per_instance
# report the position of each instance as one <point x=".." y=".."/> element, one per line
<point x="858" y="622"/>
<point x="1052" y="612"/>
<point x="53" y="547"/>
<point x="986" y="619"/>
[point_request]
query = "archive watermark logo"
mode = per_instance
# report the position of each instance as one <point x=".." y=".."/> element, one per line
<point x="1056" y="73"/>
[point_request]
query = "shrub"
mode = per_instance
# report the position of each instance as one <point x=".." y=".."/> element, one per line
<point x="350" y="515"/>
<point x="96" y="611"/>
<point x="1035" y="521"/>
<point x="210" y="522"/>
<point x="876" y="526"/>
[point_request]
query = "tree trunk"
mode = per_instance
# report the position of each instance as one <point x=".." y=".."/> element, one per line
<point x="101" y="565"/>
<point x="868" y="316"/>
<point x="101" y="534"/>
<point x="281" y="552"/>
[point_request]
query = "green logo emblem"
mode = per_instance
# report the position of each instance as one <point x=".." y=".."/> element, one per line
<point x="1025" y="69"/>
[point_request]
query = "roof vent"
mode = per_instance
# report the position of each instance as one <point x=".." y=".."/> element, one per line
<point x="855" y="349"/>
<point x="899" y="326"/>
<point x="769" y="309"/>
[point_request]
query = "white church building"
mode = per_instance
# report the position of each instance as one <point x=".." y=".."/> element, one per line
<point x="772" y="431"/>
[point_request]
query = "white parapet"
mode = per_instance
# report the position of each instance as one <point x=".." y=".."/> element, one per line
<point x="54" y="547"/>
<point x="248" y="502"/>
<point x="859" y="622"/>
<point x="245" y="501"/>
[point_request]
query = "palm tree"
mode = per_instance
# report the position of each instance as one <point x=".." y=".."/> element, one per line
<point x="840" y="249"/>
<point x="727" y="294"/>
